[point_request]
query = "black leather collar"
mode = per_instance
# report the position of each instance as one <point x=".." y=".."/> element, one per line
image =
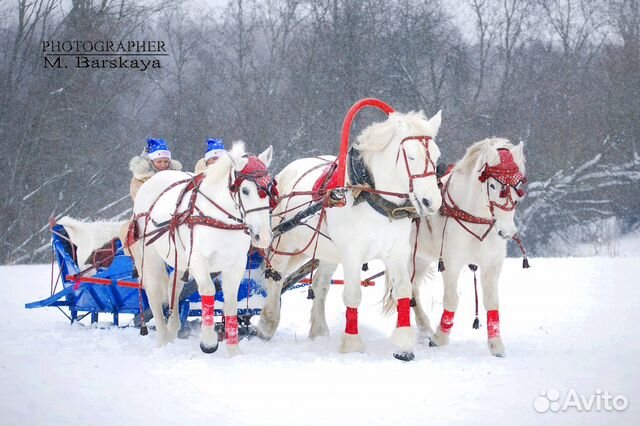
<point x="359" y="175"/>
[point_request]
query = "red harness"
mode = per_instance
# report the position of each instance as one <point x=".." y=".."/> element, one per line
<point x="508" y="174"/>
<point x="424" y="141"/>
<point x="254" y="171"/>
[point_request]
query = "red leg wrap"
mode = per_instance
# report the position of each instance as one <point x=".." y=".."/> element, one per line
<point x="404" y="317"/>
<point x="207" y="310"/>
<point x="493" y="324"/>
<point x="231" y="329"/>
<point x="446" y="322"/>
<point x="352" y="321"/>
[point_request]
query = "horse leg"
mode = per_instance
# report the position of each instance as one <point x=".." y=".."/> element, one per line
<point x="200" y="271"/>
<point x="154" y="278"/>
<point x="320" y="285"/>
<point x="352" y="296"/>
<point x="231" y="278"/>
<point x="489" y="275"/>
<point x="450" y="302"/>
<point x="422" y="319"/>
<point x="270" y="314"/>
<point x="174" y="318"/>
<point x="404" y="336"/>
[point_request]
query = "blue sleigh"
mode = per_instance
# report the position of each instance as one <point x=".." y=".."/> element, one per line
<point x="114" y="288"/>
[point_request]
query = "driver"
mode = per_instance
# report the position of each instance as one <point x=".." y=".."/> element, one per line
<point x="155" y="158"/>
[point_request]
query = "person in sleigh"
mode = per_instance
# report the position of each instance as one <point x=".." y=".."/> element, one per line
<point x="215" y="148"/>
<point x="155" y="158"/>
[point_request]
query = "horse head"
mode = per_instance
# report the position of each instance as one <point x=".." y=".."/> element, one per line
<point x="499" y="167"/>
<point x="256" y="192"/>
<point x="401" y="155"/>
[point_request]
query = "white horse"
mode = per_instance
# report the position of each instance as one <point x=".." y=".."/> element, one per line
<point x="480" y="195"/>
<point x="202" y="224"/>
<point x="399" y="155"/>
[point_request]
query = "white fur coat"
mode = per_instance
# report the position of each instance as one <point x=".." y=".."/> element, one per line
<point x="143" y="169"/>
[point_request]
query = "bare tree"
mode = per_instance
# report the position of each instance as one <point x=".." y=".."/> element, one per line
<point x="486" y="31"/>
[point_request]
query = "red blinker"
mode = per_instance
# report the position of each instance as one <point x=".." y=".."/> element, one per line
<point x="506" y="172"/>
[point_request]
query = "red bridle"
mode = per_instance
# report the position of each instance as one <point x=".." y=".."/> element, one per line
<point x="255" y="171"/>
<point x="424" y="141"/>
<point x="508" y="175"/>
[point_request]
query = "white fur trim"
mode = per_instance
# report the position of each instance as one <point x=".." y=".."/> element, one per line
<point x="175" y="165"/>
<point x="142" y="168"/>
<point x="161" y="153"/>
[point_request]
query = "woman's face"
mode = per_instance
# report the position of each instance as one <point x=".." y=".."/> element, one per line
<point x="161" y="164"/>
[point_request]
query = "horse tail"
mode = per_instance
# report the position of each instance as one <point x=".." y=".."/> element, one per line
<point x="388" y="302"/>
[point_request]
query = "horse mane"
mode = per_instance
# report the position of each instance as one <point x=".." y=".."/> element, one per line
<point x="486" y="152"/>
<point x="238" y="148"/>
<point x="398" y="125"/>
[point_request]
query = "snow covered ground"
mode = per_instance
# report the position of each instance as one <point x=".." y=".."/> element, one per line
<point x="570" y="327"/>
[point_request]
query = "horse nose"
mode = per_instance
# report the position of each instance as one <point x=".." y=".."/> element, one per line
<point x="256" y="237"/>
<point x="426" y="203"/>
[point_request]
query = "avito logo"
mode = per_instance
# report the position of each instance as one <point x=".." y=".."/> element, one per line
<point x="599" y="400"/>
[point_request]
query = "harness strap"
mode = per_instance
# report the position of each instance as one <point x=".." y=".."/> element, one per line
<point x="452" y="210"/>
<point x="363" y="187"/>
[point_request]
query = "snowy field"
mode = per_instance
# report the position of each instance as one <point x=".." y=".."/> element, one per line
<point x="570" y="326"/>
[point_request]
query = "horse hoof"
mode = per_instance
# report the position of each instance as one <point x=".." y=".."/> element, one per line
<point x="404" y="356"/>
<point x="500" y="354"/>
<point x="208" y="349"/>
<point x="248" y="332"/>
<point x="262" y="335"/>
<point x="432" y="344"/>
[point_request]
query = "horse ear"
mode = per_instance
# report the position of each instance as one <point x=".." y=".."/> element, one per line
<point x="518" y="151"/>
<point x="434" y="123"/>
<point x="266" y="156"/>
<point x="238" y="163"/>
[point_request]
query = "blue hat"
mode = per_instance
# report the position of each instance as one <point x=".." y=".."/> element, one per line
<point x="157" y="148"/>
<point x="214" y="148"/>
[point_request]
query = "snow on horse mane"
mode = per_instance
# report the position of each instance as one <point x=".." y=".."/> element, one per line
<point x="89" y="236"/>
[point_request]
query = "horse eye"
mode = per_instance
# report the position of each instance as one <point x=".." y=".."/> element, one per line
<point x="492" y="186"/>
<point x="411" y="158"/>
<point x="245" y="191"/>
